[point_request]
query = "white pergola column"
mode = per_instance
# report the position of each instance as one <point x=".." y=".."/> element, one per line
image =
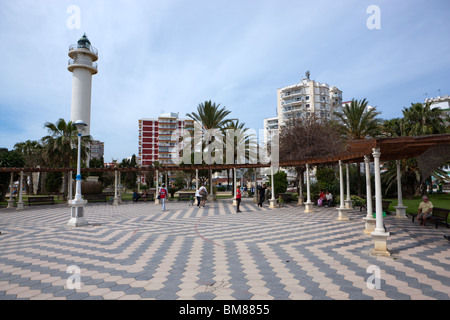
<point x="157" y="188"/>
<point x="369" y="219"/>
<point x="308" y="204"/>
<point x="342" y="210"/>
<point x="272" y="201"/>
<point x="379" y="235"/>
<point x="400" y="208"/>
<point x="300" y="190"/>
<point x="348" y="201"/>
<point x="120" y="187"/>
<point x="20" y="202"/>
<point x="196" y="181"/>
<point x="70" y="187"/>
<point x="116" y="198"/>
<point x="11" y="186"/>
<point x="234" y="186"/>
<point x="211" y="197"/>
<point x="255" y="194"/>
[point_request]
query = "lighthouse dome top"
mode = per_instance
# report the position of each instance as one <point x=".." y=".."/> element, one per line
<point x="84" y="40"/>
<point x="83" y="45"/>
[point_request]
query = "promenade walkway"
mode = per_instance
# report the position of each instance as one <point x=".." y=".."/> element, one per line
<point x="134" y="251"/>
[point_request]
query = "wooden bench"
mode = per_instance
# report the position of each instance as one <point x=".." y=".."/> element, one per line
<point x="186" y="196"/>
<point x="438" y="215"/>
<point x="150" y="197"/>
<point x="96" y="197"/>
<point x="385" y="206"/>
<point x="40" y="200"/>
<point x="287" y="197"/>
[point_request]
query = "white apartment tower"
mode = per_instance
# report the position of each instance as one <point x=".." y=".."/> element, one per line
<point x="306" y="98"/>
<point x="82" y="64"/>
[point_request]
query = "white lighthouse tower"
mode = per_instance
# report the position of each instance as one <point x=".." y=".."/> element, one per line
<point x="82" y="64"/>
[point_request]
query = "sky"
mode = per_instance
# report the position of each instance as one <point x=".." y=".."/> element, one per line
<point x="171" y="55"/>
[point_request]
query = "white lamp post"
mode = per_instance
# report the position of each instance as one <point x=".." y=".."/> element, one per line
<point x="77" y="205"/>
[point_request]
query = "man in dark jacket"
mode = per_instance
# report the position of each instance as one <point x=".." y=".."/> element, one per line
<point x="262" y="194"/>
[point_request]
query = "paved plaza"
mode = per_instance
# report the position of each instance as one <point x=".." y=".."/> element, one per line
<point x="135" y="251"/>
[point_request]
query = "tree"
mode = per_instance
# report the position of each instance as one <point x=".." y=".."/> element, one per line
<point x="130" y="177"/>
<point x="420" y="119"/>
<point x="304" y="138"/>
<point x="32" y="154"/>
<point x="60" y="146"/>
<point x="8" y="159"/>
<point x="210" y="116"/>
<point x="359" y="122"/>
<point x="280" y="182"/>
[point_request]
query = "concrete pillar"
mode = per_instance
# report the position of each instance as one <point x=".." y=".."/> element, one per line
<point x="234" y="185"/>
<point x="379" y="235"/>
<point x="70" y="187"/>
<point x="400" y="209"/>
<point x="369" y="219"/>
<point x="11" y="186"/>
<point x="20" y="193"/>
<point x="272" y="201"/>
<point x="116" y="197"/>
<point x="255" y="194"/>
<point x="300" y="191"/>
<point x="308" y="205"/>
<point x="342" y="210"/>
<point x="348" y="201"/>
<point x="157" y="188"/>
<point x="196" y="180"/>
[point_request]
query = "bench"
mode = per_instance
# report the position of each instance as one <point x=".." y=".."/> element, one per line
<point x="96" y="197"/>
<point x="186" y="196"/>
<point x="40" y="200"/>
<point x="287" y="197"/>
<point x="438" y="215"/>
<point x="385" y="206"/>
<point x="150" y="197"/>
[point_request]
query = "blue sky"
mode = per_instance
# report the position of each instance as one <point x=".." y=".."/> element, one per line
<point x="171" y="55"/>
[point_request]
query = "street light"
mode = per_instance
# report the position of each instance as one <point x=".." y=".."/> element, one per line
<point x="77" y="205"/>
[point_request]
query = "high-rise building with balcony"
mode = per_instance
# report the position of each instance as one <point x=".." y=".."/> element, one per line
<point x="159" y="139"/>
<point x="306" y="98"/>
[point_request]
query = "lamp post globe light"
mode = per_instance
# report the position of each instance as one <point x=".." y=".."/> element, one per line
<point x="77" y="205"/>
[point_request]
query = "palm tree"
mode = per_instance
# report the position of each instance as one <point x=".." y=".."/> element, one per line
<point x="60" y="146"/>
<point x="359" y="122"/>
<point x="242" y="139"/>
<point x="32" y="153"/>
<point x="418" y="120"/>
<point x="421" y="120"/>
<point x="210" y="116"/>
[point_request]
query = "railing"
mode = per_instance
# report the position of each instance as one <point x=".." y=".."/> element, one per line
<point x="92" y="65"/>
<point x="87" y="47"/>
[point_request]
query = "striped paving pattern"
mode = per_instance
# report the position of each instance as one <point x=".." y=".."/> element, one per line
<point x="135" y="251"/>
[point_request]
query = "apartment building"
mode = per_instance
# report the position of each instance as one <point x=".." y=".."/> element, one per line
<point x="96" y="149"/>
<point x="306" y="98"/>
<point x="159" y="139"/>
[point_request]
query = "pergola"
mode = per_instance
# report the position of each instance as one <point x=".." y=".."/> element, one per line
<point x="358" y="151"/>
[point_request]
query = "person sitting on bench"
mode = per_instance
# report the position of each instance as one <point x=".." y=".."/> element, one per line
<point x="425" y="210"/>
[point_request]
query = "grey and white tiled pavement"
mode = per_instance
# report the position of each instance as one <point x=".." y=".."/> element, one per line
<point x="135" y="251"/>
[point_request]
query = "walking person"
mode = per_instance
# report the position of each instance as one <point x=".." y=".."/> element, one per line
<point x="162" y="196"/>
<point x="238" y="198"/>
<point x="198" y="197"/>
<point x="262" y="193"/>
<point x="204" y="195"/>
